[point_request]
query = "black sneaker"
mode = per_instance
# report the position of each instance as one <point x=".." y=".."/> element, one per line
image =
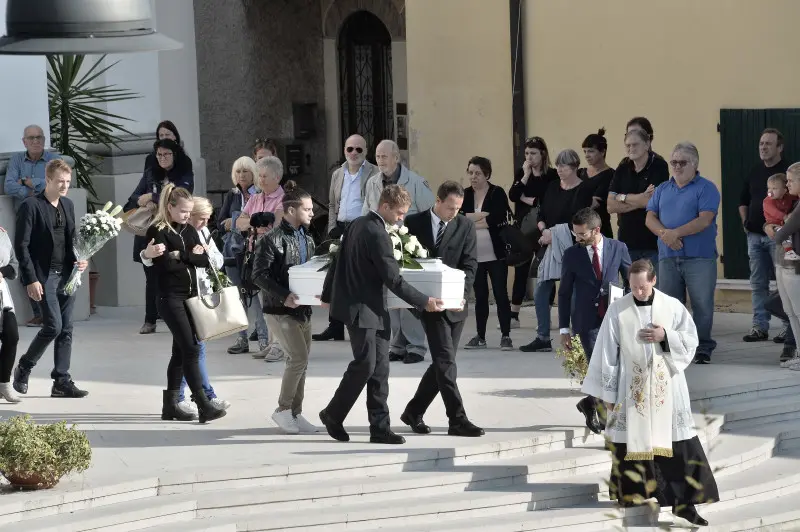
<point x="506" y="344"/>
<point x="241" y="346"/>
<point x="21" y="380"/>
<point x="702" y="358"/>
<point x="67" y="389"/>
<point x="781" y="336"/>
<point x="537" y="346"/>
<point x="756" y="335"/>
<point x="476" y="343"/>
<point x="253" y="336"/>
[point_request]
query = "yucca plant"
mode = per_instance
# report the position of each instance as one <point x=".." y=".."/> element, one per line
<point x="76" y="120"/>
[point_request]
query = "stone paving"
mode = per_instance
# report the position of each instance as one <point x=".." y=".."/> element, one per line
<point x="511" y="394"/>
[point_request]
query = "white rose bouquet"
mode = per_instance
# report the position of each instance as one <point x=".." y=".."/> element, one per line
<point x="406" y="248"/>
<point x="94" y="230"/>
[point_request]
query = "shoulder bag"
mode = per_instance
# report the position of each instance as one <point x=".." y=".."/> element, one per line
<point x="518" y="246"/>
<point x="218" y="314"/>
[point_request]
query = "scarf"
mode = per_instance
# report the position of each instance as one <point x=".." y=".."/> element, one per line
<point x="649" y="395"/>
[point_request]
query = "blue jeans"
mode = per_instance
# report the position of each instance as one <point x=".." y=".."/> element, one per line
<point x="201" y="361"/>
<point x="56" y="309"/>
<point x="761" y="250"/>
<point x="254" y="312"/>
<point x="698" y="277"/>
<point x="541" y="300"/>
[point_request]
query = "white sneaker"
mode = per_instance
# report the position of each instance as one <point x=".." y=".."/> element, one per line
<point x="7" y="393"/>
<point x="793" y="364"/>
<point x="305" y="426"/>
<point x="791" y="255"/>
<point x="286" y="421"/>
<point x="274" y="354"/>
<point x="187" y="406"/>
<point x="220" y="404"/>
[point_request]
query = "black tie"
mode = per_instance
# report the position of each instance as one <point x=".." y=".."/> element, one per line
<point x="439" y="235"/>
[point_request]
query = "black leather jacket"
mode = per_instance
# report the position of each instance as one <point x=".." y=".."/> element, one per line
<point x="276" y="252"/>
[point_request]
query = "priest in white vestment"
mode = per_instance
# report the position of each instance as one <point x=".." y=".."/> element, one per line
<point x="645" y="343"/>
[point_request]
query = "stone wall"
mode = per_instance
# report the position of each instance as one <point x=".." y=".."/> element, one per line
<point x="255" y="58"/>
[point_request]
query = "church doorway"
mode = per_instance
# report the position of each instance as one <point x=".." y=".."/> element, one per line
<point x="365" y="79"/>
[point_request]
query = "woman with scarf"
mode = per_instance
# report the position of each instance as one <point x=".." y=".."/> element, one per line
<point x="645" y="343"/>
<point x="9" y="332"/>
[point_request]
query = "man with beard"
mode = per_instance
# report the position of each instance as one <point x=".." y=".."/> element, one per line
<point x="587" y="270"/>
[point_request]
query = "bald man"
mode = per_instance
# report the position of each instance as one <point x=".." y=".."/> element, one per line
<point x="408" y="336"/>
<point x="346" y="201"/>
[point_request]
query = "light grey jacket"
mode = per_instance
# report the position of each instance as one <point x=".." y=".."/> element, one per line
<point x="422" y="197"/>
<point x="550" y="266"/>
<point x="335" y="194"/>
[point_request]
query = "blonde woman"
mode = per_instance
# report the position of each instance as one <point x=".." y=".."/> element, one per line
<point x="181" y="255"/>
<point x="199" y="219"/>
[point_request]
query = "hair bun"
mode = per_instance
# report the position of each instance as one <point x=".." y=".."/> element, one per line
<point x="601" y="132"/>
<point x="289" y="186"/>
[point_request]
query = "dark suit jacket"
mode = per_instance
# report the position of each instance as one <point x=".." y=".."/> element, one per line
<point x="33" y="241"/>
<point x="457" y="250"/>
<point x="578" y="276"/>
<point x="356" y="278"/>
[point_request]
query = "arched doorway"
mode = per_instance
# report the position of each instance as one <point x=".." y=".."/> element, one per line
<point x="365" y="79"/>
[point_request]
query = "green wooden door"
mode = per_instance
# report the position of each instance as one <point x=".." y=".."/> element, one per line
<point x="740" y="131"/>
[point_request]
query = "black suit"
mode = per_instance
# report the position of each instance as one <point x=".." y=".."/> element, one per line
<point x="354" y="288"/>
<point x="443" y="329"/>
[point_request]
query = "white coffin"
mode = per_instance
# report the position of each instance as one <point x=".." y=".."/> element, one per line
<point x="435" y="280"/>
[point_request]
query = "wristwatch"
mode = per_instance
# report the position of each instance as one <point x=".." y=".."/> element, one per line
<point x="622" y="197"/>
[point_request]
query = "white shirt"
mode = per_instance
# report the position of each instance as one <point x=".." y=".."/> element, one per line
<point x="591" y="256"/>
<point x="435" y="225"/>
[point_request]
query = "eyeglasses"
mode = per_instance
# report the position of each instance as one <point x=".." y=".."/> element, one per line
<point x="356" y="148"/>
<point x="585" y="234"/>
<point x="678" y="164"/>
<point x="166" y="155"/>
<point x="37" y="138"/>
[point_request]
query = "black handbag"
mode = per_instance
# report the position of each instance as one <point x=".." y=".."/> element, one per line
<point x="518" y="246"/>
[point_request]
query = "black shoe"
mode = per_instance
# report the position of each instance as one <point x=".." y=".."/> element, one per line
<point x="388" y="437"/>
<point x="412" y="358"/>
<point x="781" y="336"/>
<point x="335" y="430"/>
<point x="756" y="335"/>
<point x="240" y="347"/>
<point x="586" y="407"/>
<point x="506" y="344"/>
<point x="702" y="358"/>
<point x="537" y="346"/>
<point x="787" y="353"/>
<point x="331" y="333"/>
<point x="169" y="407"/>
<point x="253" y="336"/>
<point x="206" y="410"/>
<point x="67" y="389"/>
<point x="396" y="357"/>
<point x="21" y="380"/>
<point x="416" y="423"/>
<point x="689" y="513"/>
<point x="465" y="428"/>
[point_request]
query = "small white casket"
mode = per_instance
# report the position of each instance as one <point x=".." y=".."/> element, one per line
<point x="434" y="279"/>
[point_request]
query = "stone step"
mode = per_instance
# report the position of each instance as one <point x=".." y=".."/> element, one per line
<point x="748" y="414"/>
<point x="708" y="399"/>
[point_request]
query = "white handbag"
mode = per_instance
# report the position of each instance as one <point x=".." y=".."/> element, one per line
<point x="218" y="314"/>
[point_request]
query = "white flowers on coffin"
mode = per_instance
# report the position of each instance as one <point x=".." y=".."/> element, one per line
<point x="434" y="279"/>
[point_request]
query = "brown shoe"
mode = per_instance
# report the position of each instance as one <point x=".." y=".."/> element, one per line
<point x="148" y="328"/>
<point x="34" y="322"/>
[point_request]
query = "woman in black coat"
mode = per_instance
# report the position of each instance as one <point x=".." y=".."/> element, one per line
<point x="487" y="205"/>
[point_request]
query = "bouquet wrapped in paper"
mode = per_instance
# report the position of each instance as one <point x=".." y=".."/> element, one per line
<point x="94" y="230"/>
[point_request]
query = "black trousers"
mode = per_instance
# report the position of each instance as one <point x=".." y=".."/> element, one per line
<point x="9" y="338"/>
<point x="185" y="349"/>
<point x="370" y="368"/>
<point x="150" y="295"/>
<point x="497" y="270"/>
<point x="520" y="287"/>
<point x="440" y="377"/>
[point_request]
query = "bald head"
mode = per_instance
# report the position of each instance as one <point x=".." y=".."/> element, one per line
<point x="387" y="155"/>
<point x="355" y="151"/>
<point x="33" y="139"/>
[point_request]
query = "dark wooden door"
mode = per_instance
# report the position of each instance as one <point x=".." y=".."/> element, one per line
<point x="740" y="131"/>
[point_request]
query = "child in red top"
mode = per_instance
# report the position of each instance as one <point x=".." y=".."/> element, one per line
<point x="777" y="205"/>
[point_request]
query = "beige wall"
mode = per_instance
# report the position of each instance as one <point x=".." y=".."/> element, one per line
<point x="593" y="64"/>
<point x="459" y="87"/>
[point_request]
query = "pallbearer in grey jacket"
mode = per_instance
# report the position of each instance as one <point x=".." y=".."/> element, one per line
<point x="285" y="246"/>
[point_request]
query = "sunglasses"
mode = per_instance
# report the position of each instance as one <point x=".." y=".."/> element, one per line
<point x="350" y="149"/>
<point x="59" y="220"/>
<point x="678" y="164"/>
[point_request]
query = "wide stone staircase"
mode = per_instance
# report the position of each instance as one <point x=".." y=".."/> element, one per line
<point x="552" y="480"/>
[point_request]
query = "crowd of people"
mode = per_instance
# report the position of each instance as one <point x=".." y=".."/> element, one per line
<point x="665" y="250"/>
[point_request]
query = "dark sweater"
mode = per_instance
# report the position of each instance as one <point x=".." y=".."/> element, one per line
<point x="559" y="205"/>
<point x="534" y="188"/>
<point x="177" y="277"/>
<point x="599" y="185"/>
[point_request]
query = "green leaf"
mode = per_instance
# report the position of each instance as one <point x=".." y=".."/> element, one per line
<point x="693" y="483"/>
<point x="634" y="476"/>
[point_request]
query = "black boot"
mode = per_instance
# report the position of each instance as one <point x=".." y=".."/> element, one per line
<point x="689" y="512"/>
<point x="206" y="410"/>
<point x="170" y="410"/>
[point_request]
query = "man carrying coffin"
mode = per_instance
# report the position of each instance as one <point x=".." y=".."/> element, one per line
<point x="354" y="290"/>
<point x="646" y="341"/>
<point x="450" y="238"/>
